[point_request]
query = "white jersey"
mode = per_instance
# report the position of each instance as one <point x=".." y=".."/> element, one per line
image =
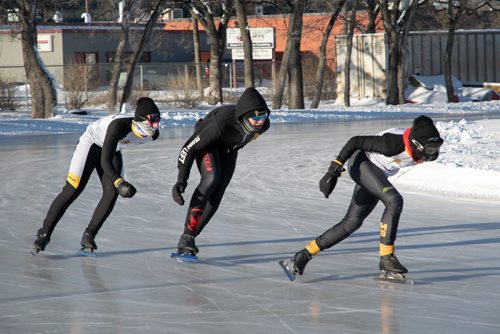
<point x="391" y="165"/>
<point x="96" y="132"/>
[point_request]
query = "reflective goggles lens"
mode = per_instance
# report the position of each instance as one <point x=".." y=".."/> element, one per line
<point x="432" y="149"/>
<point x="153" y="120"/>
<point x="259" y="118"/>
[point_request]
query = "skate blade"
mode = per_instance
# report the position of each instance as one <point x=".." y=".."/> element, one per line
<point x="86" y="252"/>
<point x="289" y="272"/>
<point x="183" y="257"/>
<point x="35" y="251"/>
<point x="393" y="278"/>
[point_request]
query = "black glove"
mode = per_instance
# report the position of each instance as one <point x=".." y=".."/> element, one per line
<point x="125" y="189"/>
<point x="328" y="182"/>
<point x="178" y="190"/>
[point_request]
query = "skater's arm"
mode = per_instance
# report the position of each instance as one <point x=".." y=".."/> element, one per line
<point x="116" y="131"/>
<point x="388" y="144"/>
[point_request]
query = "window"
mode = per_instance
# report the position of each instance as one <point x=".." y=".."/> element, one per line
<point x="86" y="57"/>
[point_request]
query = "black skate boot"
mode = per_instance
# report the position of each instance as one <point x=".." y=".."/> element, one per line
<point x="186" y="245"/>
<point x="297" y="264"/>
<point x="40" y="243"/>
<point x="300" y="260"/>
<point x="390" y="263"/>
<point x="88" y="243"/>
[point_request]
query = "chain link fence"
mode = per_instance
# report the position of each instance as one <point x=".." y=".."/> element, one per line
<point x="86" y="85"/>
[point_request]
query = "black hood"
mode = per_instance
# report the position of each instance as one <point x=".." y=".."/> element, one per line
<point x="250" y="101"/>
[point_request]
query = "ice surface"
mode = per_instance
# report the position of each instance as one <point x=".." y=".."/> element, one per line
<point x="271" y="209"/>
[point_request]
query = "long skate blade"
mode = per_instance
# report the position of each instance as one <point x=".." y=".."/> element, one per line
<point x="86" y="252"/>
<point x="183" y="257"/>
<point x="393" y="278"/>
<point x="289" y="272"/>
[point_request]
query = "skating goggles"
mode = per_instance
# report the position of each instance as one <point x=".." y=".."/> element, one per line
<point x="153" y="120"/>
<point x="260" y="117"/>
<point x="431" y="147"/>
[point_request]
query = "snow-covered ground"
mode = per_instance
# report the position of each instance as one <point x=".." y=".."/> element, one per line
<point x="448" y="234"/>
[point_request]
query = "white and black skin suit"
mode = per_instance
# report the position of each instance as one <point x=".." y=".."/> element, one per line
<point x="99" y="148"/>
<point x="371" y="160"/>
<point x="214" y="145"/>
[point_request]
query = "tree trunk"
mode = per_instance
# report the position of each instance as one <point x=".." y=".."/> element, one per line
<point x="452" y="25"/>
<point x="403" y="51"/>
<point x="202" y="11"/>
<point x="372" y="16"/>
<point x="347" y="63"/>
<point x="197" y="56"/>
<point x="247" y="43"/>
<point x="118" y="59"/>
<point x="43" y="91"/>
<point x="396" y="24"/>
<point x="148" y="30"/>
<point x="297" y="10"/>
<point x="296" y="86"/>
<point x="320" y="72"/>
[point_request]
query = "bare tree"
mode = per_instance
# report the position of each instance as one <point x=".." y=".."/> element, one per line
<point x="118" y="60"/>
<point x="292" y="42"/>
<point x="372" y="12"/>
<point x="146" y="34"/>
<point x="206" y="11"/>
<point x="320" y="72"/>
<point x="455" y="11"/>
<point x="197" y="56"/>
<point x="247" y="42"/>
<point x="397" y="20"/>
<point x="347" y="64"/>
<point x="42" y="85"/>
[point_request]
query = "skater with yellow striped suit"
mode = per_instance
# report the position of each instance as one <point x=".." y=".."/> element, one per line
<point x="99" y="148"/>
<point x="370" y="160"/>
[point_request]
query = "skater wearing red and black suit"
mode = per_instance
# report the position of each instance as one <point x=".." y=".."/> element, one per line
<point x="372" y="159"/>
<point x="99" y="148"/>
<point x="214" y="145"/>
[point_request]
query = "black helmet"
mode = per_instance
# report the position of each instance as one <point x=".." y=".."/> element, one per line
<point x="147" y="116"/>
<point x="425" y="139"/>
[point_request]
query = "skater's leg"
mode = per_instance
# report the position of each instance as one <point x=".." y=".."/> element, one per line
<point x="107" y="201"/>
<point x="82" y="165"/>
<point x="108" y="198"/>
<point x="210" y="171"/>
<point x="209" y="166"/>
<point x="376" y="182"/>
<point x="228" y="165"/>
<point x="362" y="204"/>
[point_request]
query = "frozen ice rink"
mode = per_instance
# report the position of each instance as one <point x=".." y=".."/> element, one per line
<point x="271" y="209"/>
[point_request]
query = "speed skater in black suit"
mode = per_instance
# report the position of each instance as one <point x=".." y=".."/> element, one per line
<point x="214" y="145"/>
<point x="372" y="159"/>
<point x="99" y="148"/>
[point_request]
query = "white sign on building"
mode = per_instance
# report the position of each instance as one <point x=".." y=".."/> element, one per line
<point x="45" y="43"/>
<point x="262" y="42"/>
